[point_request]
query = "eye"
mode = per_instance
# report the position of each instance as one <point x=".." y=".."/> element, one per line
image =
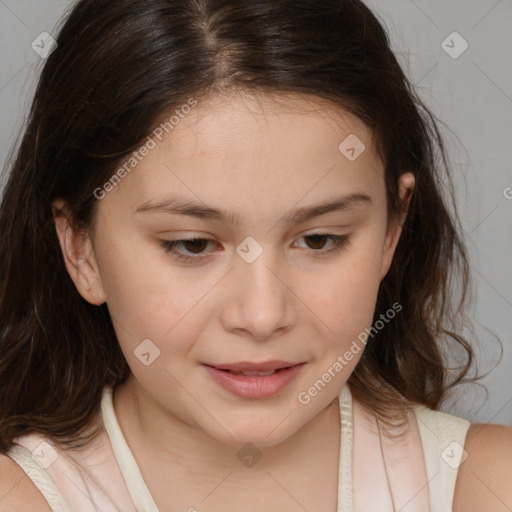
<point x="195" y="247"/>
<point x="319" y="239"/>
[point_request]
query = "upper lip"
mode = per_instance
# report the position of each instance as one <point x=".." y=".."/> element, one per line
<point x="246" y="366"/>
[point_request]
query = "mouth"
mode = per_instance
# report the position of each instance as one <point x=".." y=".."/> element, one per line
<point x="251" y="373"/>
<point x="254" y="380"/>
<point x="254" y="368"/>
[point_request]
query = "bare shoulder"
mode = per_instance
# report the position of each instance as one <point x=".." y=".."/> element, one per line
<point x="484" y="480"/>
<point x="17" y="491"/>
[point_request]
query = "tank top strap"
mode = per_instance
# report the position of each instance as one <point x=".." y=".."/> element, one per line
<point x="36" y="472"/>
<point x="443" y="436"/>
<point x="393" y="464"/>
<point x="345" y="488"/>
<point x="139" y="492"/>
<point x="83" y="479"/>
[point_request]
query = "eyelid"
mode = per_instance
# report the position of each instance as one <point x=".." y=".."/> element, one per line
<point x="338" y="243"/>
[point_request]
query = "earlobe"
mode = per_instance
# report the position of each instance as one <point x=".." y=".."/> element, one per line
<point x="78" y="255"/>
<point x="405" y="188"/>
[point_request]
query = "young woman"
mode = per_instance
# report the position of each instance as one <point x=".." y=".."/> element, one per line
<point x="229" y="273"/>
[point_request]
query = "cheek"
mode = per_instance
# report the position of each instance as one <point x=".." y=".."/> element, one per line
<point x="148" y="298"/>
<point x="352" y="283"/>
<point x="156" y="326"/>
<point x="344" y="298"/>
<point x="164" y="309"/>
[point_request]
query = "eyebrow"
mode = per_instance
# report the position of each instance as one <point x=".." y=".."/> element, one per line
<point x="177" y="206"/>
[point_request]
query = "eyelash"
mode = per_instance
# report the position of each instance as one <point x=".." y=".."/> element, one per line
<point x="169" y="246"/>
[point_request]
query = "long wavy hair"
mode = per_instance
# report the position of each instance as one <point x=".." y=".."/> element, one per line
<point x="118" y="67"/>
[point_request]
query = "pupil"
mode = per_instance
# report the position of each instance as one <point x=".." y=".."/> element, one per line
<point x="316" y="238"/>
<point x="196" y="244"/>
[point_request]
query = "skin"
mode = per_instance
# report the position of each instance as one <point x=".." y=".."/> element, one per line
<point x="484" y="478"/>
<point x="258" y="157"/>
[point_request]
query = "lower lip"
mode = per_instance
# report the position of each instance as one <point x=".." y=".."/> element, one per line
<point x="254" y="386"/>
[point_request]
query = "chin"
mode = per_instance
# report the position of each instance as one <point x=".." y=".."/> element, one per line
<point x="266" y="431"/>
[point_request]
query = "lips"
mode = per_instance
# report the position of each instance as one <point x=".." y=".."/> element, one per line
<point x="259" y="374"/>
<point x="254" y="380"/>
<point x="246" y="366"/>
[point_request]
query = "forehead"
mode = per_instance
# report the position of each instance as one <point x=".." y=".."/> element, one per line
<point x="254" y="149"/>
<point x="239" y="122"/>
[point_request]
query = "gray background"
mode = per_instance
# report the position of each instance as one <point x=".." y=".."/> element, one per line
<point x="471" y="94"/>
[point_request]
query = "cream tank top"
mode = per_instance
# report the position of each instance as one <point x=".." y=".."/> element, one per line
<point x="416" y="474"/>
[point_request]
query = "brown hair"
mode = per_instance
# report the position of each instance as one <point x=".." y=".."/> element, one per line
<point x="118" y="66"/>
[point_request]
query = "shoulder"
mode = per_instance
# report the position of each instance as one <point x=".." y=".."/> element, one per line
<point x="17" y="491"/>
<point x="484" y="478"/>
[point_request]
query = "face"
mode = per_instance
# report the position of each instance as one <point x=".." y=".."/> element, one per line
<point x="246" y="240"/>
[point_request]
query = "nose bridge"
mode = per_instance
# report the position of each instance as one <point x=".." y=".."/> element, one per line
<point x="260" y="301"/>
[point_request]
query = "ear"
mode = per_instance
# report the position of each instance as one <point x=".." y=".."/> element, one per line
<point x="78" y="253"/>
<point x="406" y="184"/>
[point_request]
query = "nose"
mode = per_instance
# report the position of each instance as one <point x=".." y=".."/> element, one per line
<point x="260" y="303"/>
